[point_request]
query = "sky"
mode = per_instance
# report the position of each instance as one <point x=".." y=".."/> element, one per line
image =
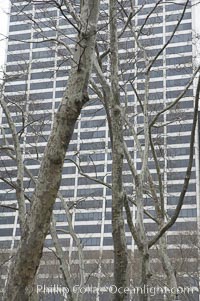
<point x="4" y="8"/>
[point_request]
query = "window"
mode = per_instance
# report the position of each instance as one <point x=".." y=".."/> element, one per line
<point x="88" y="216"/>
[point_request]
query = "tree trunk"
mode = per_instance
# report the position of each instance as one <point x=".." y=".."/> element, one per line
<point x="144" y="250"/>
<point x="118" y="229"/>
<point x="145" y="274"/>
<point x="29" y="253"/>
<point x="167" y="266"/>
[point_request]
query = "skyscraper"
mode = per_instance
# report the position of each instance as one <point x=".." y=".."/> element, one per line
<point x="38" y="63"/>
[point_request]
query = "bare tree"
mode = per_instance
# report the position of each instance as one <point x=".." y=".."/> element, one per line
<point x="143" y="180"/>
<point x="118" y="229"/>
<point x="121" y="118"/>
<point x="35" y="229"/>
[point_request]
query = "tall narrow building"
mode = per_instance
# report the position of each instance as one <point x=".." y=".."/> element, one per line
<point x="42" y="35"/>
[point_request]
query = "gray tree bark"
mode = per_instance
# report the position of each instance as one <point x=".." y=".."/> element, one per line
<point x="118" y="229"/>
<point x="167" y="266"/>
<point x="37" y="224"/>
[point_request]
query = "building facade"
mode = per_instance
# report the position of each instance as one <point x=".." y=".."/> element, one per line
<point x="38" y="63"/>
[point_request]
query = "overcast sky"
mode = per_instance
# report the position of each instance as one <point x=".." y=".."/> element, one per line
<point x="4" y="8"/>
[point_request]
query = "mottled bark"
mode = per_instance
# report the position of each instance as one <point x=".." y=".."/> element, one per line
<point x="144" y="250"/>
<point x="29" y="253"/>
<point x="144" y="274"/>
<point x="78" y="245"/>
<point x="167" y="266"/>
<point x="64" y="264"/>
<point x="118" y="229"/>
